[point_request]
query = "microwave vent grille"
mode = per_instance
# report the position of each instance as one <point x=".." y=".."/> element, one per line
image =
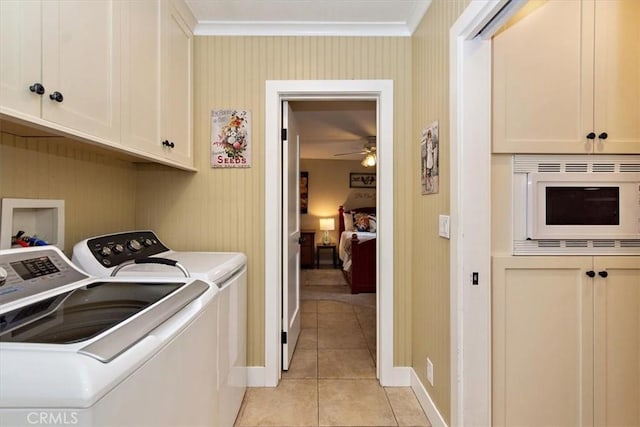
<point x="549" y="167"/>
<point x="576" y="167"/>
<point x="549" y="243"/>
<point x="604" y="167"/>
<point x="629" y="167"/>
<point x="604" y="243"/>
<point x="576" y="247"/>
<point x="525" y="163"/>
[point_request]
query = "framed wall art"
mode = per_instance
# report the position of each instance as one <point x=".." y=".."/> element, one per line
<point x="362" y="180"/>
<point x="304" y="192"/>
<point x="430" y="159"/>
<point x="230" y="139"/>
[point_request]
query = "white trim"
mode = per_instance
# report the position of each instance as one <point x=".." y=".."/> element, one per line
<point x="291" y="28"/>
<point x="470" y="112"/>
<point x="256" y="376"/>
<point x="276" y="91"/>
<point x="418" y="13"/>
<point x="429" y="408"/>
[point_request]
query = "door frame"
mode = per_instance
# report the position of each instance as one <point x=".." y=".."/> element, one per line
<point x="380" y="91"/>
<point x="470" y="97"/>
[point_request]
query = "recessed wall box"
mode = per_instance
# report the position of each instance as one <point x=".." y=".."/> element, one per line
<point x="36" y="217"/>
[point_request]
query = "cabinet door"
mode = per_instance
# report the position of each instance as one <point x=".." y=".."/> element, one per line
<point x="141" y="66"/>
<point x="543" y="81"/>
<point x="617" y="75"/>
<point x="542" y="341"/>
<point x="81" y="60"/>
<point x="177" y="87"/>
<point x="20" y="56"/>
<point x="617" y="342"/>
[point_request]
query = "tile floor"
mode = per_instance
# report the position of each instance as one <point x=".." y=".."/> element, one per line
<point x="332" y="378"/>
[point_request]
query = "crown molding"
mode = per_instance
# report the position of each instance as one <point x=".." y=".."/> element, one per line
<point x="289" y="28"/>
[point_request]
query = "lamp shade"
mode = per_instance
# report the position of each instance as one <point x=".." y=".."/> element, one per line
<point x="327" y="224"/>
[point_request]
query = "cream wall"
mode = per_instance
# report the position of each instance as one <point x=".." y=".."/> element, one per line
<point x="98" y="190"/>
<point x="430" y="254"/>
<point x="328" y="189"/>
<point x="224" y="209"/>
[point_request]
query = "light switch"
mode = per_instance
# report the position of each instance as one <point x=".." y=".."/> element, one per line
<point x="443" y="226"/>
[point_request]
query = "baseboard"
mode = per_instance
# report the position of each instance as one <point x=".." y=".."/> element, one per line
<point x="425" y="401"/>
<point x="400" y="376"/>
<point x="256" y="376"/>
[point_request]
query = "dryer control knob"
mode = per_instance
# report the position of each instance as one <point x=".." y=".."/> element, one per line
<point x="147" y="243"/>
<point x="118" y="249"/>
<point x="3" y="276"/>
<point x="105" y="251"/>
<point x="134" y="245"/>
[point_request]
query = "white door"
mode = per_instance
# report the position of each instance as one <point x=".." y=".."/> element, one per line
<point x="291" y="236"/>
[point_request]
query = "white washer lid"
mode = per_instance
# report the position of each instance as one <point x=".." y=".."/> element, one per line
<point x="215" y="267"/>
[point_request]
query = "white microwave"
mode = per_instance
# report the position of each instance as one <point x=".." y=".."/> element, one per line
<point x="583" y="205"/>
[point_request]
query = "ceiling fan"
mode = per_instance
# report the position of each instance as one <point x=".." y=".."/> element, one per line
<point x="369" y="151"/>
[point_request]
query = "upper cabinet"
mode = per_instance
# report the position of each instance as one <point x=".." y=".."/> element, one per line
<point x="566" y="79"/>
<point x="117" y="73"/>
<point x="61" y="63"/>
<point x="157" y="81"/>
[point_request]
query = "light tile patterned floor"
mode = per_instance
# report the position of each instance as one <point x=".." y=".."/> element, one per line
<point x="332" y="378"/>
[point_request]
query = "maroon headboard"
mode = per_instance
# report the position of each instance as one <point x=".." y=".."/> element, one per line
<point x="369" y="210"/>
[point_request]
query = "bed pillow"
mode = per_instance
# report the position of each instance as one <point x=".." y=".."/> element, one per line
<point x="372" y="223"/>
<point x="361" y="221"/>
<point x="348" y="221"/>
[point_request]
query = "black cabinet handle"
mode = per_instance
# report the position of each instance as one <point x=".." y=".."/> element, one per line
<point x="169" y="144"/>
<point x="603" y="135"/>
<point x="56" y="96"/>
<point x="591" y="135"/>
<point x="37" y="88"/>
<point x="591" y="273"/>
<point x="603" y="274"/>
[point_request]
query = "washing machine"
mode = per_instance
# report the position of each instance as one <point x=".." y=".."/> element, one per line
<point x="86" y="351"/>
<point x="142" y="254"/>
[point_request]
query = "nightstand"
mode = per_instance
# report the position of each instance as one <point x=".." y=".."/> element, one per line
<point x="326" y="247"/>
<point x="307" y="245"/>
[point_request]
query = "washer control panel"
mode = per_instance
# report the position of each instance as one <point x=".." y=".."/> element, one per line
<point x="29" y="272"/>
<point x="114" y="249"/>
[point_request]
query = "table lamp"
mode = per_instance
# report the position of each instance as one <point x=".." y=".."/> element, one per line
<point x="326" y="225"/>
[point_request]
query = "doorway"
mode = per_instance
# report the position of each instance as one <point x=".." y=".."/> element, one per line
<point x="337" y="290"/>
<point x="380" y="91"/>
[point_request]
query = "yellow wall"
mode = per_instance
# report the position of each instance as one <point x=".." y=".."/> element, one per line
<point x="430" y="254"/>
<point x="328" y="189"/>
<point x="98" y="190"/>
<point x="224" y="209"/>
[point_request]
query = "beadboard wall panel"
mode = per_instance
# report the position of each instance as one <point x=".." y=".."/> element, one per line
<point x="430" y="255"/>
<point x="98" y="190"/>
<point x="223" y="209"/>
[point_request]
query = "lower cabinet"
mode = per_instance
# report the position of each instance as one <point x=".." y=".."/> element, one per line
<point x="566" y="341"/>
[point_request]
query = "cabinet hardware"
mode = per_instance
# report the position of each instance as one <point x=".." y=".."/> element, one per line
<point x="603" y="274"/>
<point x="591" y="135"/>
<point x="591" y="273"/>
<point x="603" y="135"/>
<point x="56" y="96"/>
<point x="168" y="143"/>
<point x="37" y="88"/>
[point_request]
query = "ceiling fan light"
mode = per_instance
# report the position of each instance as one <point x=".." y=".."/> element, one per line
<point x="369" y="160"/>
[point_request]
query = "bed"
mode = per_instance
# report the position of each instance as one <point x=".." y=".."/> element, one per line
<point x="357" y="249"/>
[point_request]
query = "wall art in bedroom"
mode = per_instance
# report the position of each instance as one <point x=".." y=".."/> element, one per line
<point x="304" y="192"/>
<point x="230" y="139"/>
<point x="362" y="180"/>
<point x="430" y="162"/>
